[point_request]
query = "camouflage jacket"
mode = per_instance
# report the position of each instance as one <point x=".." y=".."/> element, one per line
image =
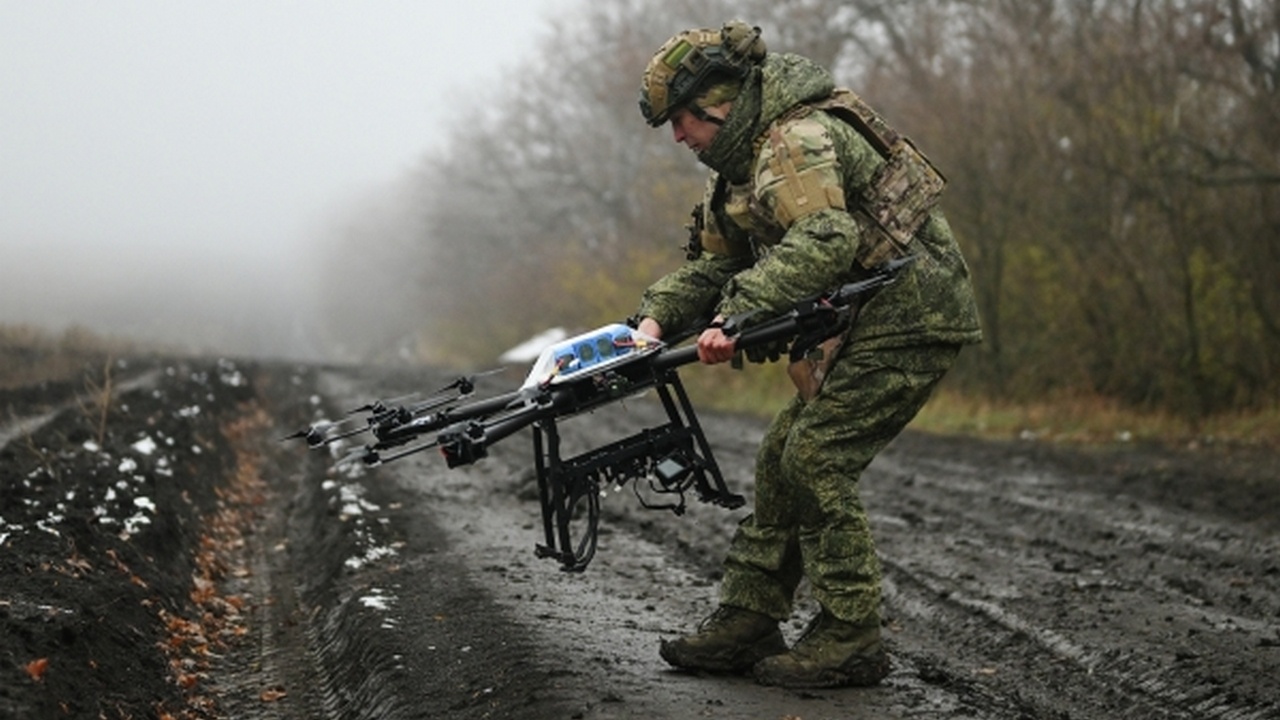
<point x="782" y="222"/>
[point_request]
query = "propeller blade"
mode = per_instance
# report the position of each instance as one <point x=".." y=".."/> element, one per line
<point x="296" y="435"/>
<point x="466" y="384"/>
<point x="380" y="405"/>
<point x="313" y="434"/>
<point x="363" y="455"/>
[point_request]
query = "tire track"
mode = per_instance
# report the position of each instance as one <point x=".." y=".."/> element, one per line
<point x="1013" y="588"/>
<point x="972" y="543"/>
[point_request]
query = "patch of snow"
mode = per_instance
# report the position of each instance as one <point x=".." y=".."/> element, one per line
<point x="371" y="555"/>
<point x="353" y="502"/>
<point x="131" y="525"/>
<point x="376" y="600"/>
<point x="47" y="524"/>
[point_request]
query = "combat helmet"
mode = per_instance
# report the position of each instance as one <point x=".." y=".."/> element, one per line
<point x="694" y="60"/>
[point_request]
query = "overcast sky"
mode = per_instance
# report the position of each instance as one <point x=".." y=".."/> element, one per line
<point x="166" y="131"/>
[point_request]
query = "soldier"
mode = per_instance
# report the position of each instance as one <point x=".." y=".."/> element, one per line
<point x="809" y="188"/>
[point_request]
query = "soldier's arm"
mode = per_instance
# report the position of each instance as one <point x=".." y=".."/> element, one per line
<point x="689" y="293"/>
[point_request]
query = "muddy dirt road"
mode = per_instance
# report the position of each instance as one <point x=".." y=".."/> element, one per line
<point x="1021" y="580"/>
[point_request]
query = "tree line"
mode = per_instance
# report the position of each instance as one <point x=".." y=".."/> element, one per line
<point x="1113" y="173"/>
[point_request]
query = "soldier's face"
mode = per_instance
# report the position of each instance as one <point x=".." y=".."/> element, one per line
<point x="694" y="132"/>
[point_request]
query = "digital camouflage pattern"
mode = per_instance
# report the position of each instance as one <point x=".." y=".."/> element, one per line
<point x="787" y="239"/>
<point x="808" y="520"/>
<point x="783" y="222"/>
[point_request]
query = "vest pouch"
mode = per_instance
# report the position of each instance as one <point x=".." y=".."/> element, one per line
<point x="808" y="372"/>
<point x="898" y="201"/>
<point x="902" y="192"/>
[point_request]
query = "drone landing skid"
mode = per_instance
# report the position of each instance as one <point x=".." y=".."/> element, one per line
<point x="670" y="459"/>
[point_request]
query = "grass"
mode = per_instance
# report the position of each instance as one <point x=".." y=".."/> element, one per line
<point x="1093" y="419"/>
<point x="97" y="405"/>
<point x="1078" y="418"/>
<point x="29" y="355"/>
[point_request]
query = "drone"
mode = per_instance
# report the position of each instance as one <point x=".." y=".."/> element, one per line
<point x="579" y="375"/>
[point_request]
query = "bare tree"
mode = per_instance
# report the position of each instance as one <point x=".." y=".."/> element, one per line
<point x="1113" y="172"/>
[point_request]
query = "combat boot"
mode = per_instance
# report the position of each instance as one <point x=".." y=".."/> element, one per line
<point x="831" y="653"/>
<point x="730" y="640"/>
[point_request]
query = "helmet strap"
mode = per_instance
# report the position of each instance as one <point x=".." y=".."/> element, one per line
<point x="700" y="113"/>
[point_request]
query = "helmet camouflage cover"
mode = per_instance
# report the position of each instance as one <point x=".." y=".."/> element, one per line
<point x="691" y="61"/>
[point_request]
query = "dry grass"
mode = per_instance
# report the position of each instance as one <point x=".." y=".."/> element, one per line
<point x="29" y="355"/>
<point x="1093" y="419"/>
<point x="96" y="403"/>
<point x="761" y="390"/>
<point x="754" y="390"/>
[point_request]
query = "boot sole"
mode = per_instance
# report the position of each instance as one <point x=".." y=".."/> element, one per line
<point x="867" y="674"/>
<point x="740" y="661"/>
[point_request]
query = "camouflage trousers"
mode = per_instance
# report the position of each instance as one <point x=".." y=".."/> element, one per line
<point x="808" y="522"/>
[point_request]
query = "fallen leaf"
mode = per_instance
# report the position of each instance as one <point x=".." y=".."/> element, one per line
<point x="273" y="694"/>
<point x="36" y="668"/>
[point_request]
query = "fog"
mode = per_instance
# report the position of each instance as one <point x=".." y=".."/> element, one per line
<point x="168" y="169"/>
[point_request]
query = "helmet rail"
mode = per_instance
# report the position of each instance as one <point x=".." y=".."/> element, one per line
<point x="690" y="61"/>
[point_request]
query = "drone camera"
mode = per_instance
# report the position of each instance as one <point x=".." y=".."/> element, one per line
<point x="672" y="469"/>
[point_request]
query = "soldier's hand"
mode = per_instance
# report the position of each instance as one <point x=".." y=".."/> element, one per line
<point x="714" y="346"/>
<point x="650" y="327"/>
